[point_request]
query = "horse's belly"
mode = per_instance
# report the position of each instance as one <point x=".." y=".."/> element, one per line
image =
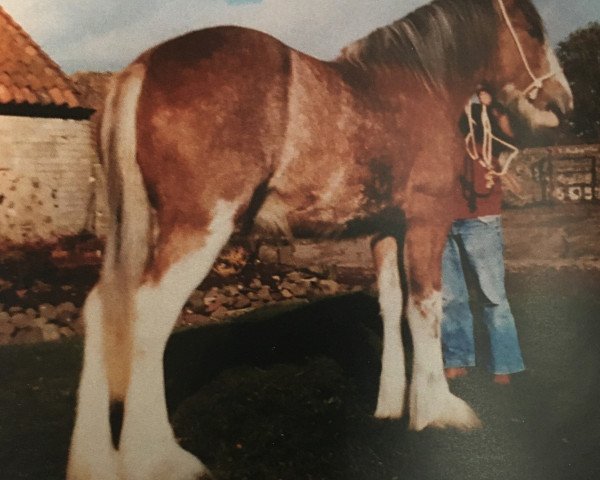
<point x="325" y="215"/>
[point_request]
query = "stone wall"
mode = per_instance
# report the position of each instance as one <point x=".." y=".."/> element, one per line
<point x="46" y="181"/>
<point x="558" y="236"/>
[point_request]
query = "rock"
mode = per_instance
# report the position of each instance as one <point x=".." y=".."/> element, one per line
<point x="210" y="296"/>
<point x="299" y="289"/>
<point x="50" y="332"/>
<point x="275" y="297"/>
<point x="40" y="321"/>
<point x="13" y="310"/>
<point x="317" y="269"/>
<point x="31" y="312"/>
<point x="264" y="294"/>
<point x="195" y="319"/>
<point x="4" y="317"/>
<point x="285" y="285"/>
<point x="78" y="327"/>
<point x="5" y="284"/>
<point x="236" y="313"/>
<point x="255" y="284"/>
<point x="66" y="332"/>
<point x="196" y="300"/>
<point x="48" y="311"/>
<point x="241" y="302"/>
<point x="231" y="290"/>
<point x="220" y="312"/>
<point x="268" y="254"/>
<point x="329" y="287"/>
<point x="29" y="335"/>
<point x="21" y="320"/>
<point x="213" y="306"/>
<point x="295" y="276"/>
<point x="6" y="328"/>
<point x="66" y="312"/>
<point x="5" y="339"/>
<point x="285" y="293"/>
<point x="41" y="287"/>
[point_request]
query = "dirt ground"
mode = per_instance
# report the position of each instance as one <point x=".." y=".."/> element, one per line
<point x="289" y="395"/>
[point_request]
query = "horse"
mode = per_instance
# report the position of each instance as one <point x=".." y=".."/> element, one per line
<point x="227" y="127"/>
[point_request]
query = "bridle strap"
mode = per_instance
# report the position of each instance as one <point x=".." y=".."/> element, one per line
<point x="532" y="90"/>
<point x="537" y="83"/>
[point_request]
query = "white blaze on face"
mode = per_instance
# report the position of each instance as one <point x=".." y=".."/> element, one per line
<point x="559" y="75"/>
<point x="536" y="117"/>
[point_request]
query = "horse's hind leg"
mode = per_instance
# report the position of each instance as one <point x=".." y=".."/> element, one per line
<point x="392" y="385"/>
<point x="148" y="448"/>
<point x="431" y="403"/>
<point x="92" y="455"/>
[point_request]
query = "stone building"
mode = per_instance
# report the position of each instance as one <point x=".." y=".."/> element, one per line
<point x="46" y="149"/>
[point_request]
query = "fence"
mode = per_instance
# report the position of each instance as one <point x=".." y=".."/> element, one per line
<point x="565" y="174"/>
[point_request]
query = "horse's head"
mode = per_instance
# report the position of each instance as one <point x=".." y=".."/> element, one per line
<point x="527" y="76"/>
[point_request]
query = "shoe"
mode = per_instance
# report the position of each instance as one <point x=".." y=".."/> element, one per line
<point x="455" y="372"/>
<point x="502" y="379"/>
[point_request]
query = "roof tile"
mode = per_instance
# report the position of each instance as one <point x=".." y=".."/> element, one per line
<point x="27" y="72"/>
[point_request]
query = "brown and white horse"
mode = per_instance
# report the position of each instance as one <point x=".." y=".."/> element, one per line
<point x="224" y="127"/>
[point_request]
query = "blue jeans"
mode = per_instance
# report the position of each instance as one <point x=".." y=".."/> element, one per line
<point x="480" y="241"/>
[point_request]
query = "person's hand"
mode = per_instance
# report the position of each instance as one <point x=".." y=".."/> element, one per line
<point x="485" y="98"/>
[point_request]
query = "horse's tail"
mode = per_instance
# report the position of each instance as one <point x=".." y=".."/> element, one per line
<point x="128" y="244"/>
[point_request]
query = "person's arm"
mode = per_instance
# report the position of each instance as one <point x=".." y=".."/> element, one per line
<point x="504" y="124"/>
<point x="502" y="120"/>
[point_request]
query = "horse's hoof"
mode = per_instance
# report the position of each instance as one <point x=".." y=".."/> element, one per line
<point x="448" y="411"/>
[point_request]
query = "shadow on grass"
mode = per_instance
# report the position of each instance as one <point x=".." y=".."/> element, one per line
<point x="289" y="395"/>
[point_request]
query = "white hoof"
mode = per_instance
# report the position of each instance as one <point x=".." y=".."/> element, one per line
<point x="390" y="403"/>
<point x="172" y="463"/>
<point x="441" y="411"/>
<point x="92" y="467"/>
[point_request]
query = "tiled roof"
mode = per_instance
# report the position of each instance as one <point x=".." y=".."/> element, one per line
<point x="27" y="74"/>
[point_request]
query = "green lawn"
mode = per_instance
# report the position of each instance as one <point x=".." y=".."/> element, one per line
<point x="290" y="396"/>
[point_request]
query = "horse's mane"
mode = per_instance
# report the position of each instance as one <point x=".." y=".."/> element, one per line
<point x="441" y="43"/>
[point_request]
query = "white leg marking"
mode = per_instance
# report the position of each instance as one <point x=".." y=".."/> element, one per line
<point x="92" y="455"/>
<point x="148" y="446"/>
<point x="392" y="383"/>
<point x="431" y="403"/>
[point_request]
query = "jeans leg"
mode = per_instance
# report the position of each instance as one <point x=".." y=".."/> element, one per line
<point x="485" y="253"/>
<point x="458" y="345"/>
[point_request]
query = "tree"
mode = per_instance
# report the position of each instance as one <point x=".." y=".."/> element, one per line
<point x="579" y="54"/>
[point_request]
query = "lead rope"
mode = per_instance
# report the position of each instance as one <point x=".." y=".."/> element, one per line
<point x="486" y="157"/>
<point x="533" y="89"/>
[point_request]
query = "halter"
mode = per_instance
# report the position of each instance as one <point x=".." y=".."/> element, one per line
<point x="531" y="92"/>
<point x="534" y="87"/>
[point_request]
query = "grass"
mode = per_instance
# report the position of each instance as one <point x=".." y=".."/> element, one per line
<point x="289" y="395"/>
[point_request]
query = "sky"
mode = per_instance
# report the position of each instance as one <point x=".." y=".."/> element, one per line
<point x="105" y="35"/>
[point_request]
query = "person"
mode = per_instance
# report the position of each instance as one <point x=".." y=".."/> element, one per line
<point x="476" y="241"/>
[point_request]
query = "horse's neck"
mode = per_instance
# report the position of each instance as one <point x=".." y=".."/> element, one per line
<point x="400" y="90"/>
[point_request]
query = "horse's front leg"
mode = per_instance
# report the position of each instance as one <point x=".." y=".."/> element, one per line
<point x="392" y="384"/>
<point x="431" y="403"/>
